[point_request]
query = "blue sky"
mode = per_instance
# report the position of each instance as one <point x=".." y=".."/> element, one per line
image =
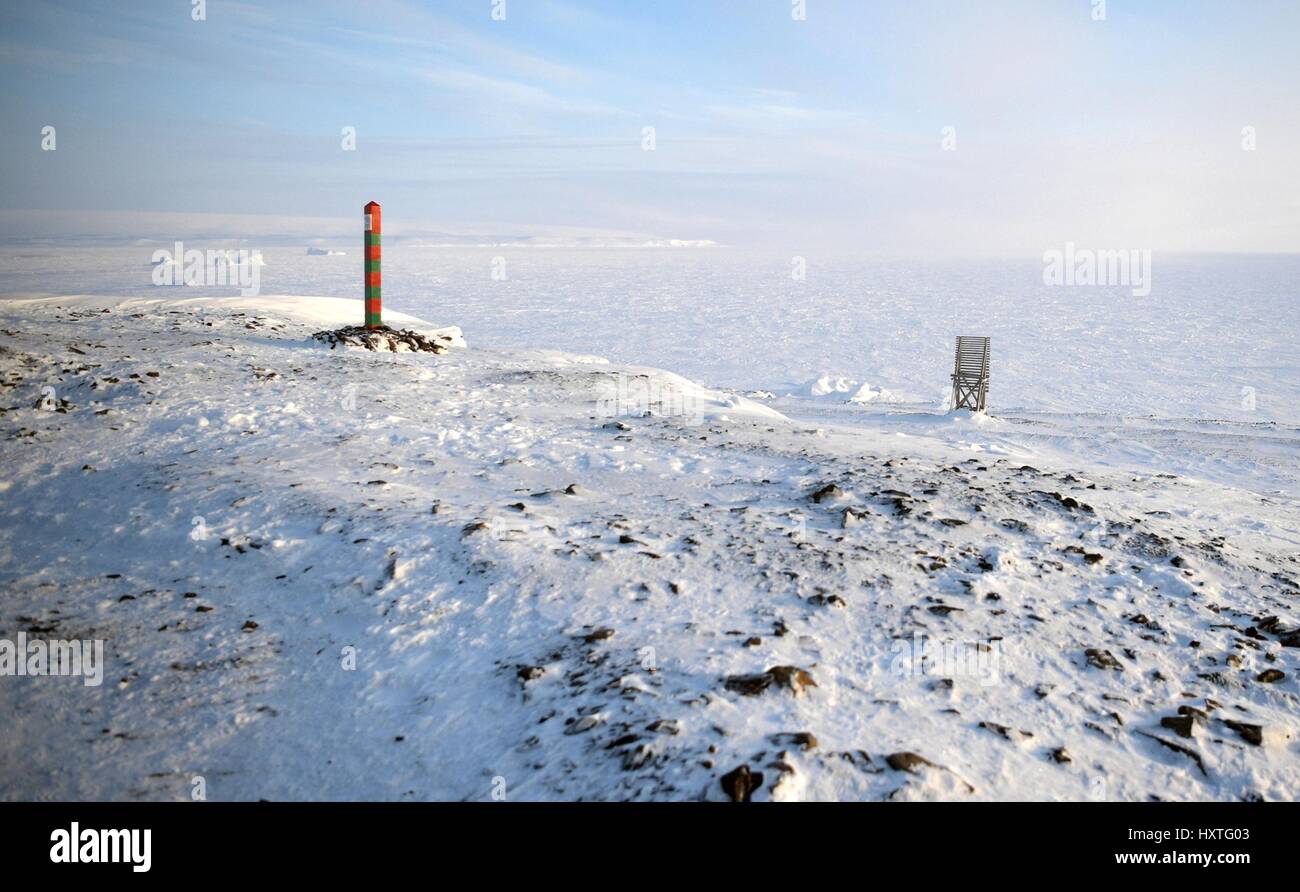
<point x="768" y="130"/>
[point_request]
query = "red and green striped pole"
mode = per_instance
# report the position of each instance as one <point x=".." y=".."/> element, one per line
<point x="374" y="230"/>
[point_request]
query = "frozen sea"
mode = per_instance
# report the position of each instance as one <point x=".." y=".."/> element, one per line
<point x="1200" y="376"/>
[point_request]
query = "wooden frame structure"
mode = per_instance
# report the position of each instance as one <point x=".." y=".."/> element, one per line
<point x="970" y="375"/>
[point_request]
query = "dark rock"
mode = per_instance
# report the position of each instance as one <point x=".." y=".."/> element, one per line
<point x="749" y="685"/>
<point x="829" y="491"/>
<point x="741" y="783"/>
<point x="1252" y="734"/>
<point x="530" y="673"/>
<point x="805" y="740"/>
<point x="1003" y="731"/>
<point x="1178" y="748"/>
<point x="1179" y="724"/>
<point x="1066" y="502"/>
<point x="1267" y="623"/>
<point x="582" y="725"/>
<point x="1269" y="676"/>
<point x="383" y="338"/>
<point x="790" y="677"/>
<point x="636" y="757"/>
<point x="1061" y="755"/>
<point x="909" y="762"/>
<point x="1102" y="659"/>
<point x="902" y="505"/>
<point x="793" y="678"/>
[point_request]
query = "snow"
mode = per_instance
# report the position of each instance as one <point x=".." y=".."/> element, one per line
<point x="838" y="388"/>
<point x="1213" y="344"/>
<point x="322" y="312"/>
<point x="545" y="566"/>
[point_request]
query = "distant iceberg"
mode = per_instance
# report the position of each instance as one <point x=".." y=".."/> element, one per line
<point x="325" y="252"/>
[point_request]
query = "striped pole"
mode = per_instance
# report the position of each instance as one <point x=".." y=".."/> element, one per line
<point x="374" y="230"/>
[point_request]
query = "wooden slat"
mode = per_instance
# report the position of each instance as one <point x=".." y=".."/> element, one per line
<point x="970" y="375"/>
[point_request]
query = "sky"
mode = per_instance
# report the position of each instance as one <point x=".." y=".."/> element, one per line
<point x="1126" y="131"/>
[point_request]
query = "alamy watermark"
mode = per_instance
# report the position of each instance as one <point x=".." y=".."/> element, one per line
<point x="38" y="657"/>
<point x="1083" y="266"/>
<point x="925" y="656"/>
<point x="91" y="846"/>
<point x="212" y="268"/>
<point x="640" y="395"/>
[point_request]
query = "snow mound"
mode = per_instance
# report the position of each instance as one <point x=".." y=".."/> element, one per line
<point x="849" y="389"/>
<point x="827" y="385"/>
<point x="640" y="392"/>
<point x="320" y="312"/>
<point x="866" y="394"/>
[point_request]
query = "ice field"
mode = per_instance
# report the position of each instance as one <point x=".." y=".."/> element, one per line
<point x="1200" y="376"/>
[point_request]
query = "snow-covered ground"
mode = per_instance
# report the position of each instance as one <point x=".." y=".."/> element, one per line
<point x="345" y="574"/>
